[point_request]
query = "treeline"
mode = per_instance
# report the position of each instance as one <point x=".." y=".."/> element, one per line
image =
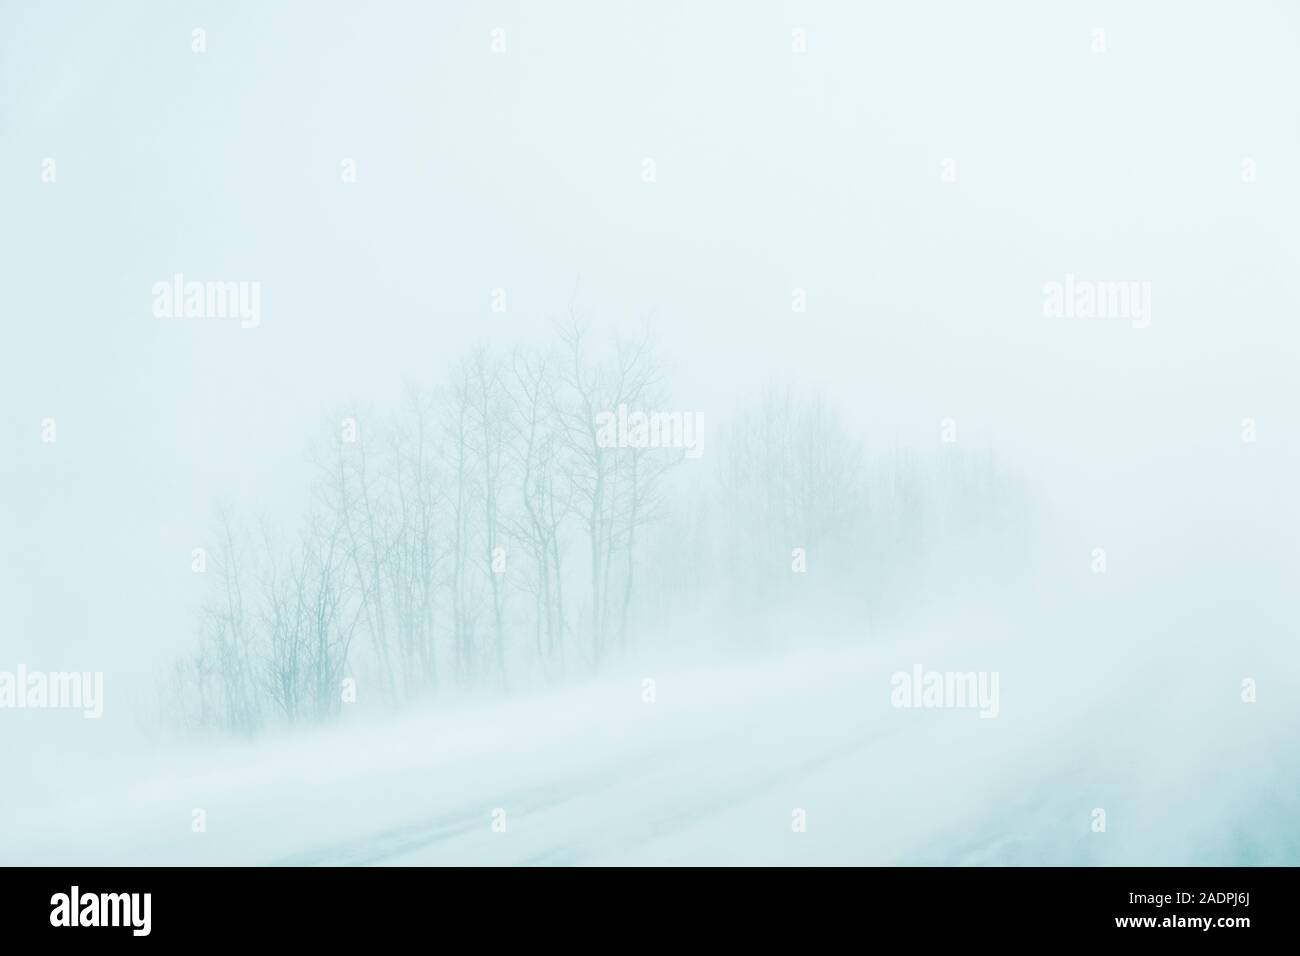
<point x="488" y="534"/>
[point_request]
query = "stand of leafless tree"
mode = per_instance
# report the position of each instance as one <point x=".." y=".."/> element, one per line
<point x="484" y="536"/>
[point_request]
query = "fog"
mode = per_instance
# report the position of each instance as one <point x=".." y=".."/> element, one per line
<point x="826" y="237"/>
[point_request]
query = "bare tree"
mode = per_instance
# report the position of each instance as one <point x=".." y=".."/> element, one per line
<point x="415" y="551"/>
<point x="460" y="435"/>
<point x="489" y="409"/>
<point x="545" y="496"/>
<point x="602" y="476"/>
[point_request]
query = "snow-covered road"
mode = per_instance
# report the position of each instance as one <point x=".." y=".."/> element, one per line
<point x="719" y="769"/>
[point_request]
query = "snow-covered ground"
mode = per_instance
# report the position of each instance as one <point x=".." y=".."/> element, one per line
<point x="714" y="770"/>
